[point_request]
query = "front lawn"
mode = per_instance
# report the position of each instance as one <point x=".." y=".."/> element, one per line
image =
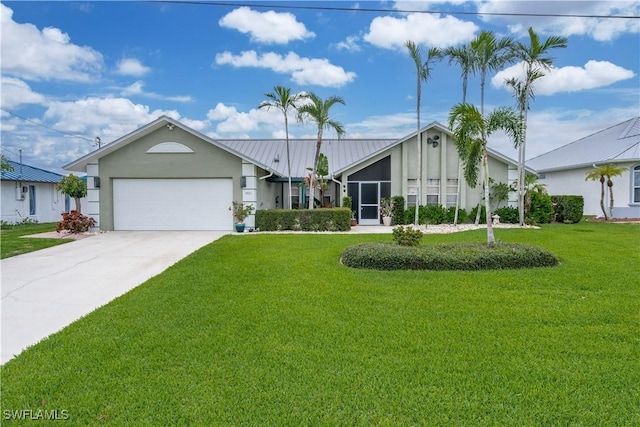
<point x="272" y="330"/>
<point x="12" y="243"/>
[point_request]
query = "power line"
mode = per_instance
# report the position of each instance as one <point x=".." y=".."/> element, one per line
<point x="366" y="9"/>
<point x="48" y="127"/>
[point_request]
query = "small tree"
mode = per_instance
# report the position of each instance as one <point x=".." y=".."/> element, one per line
<point x="4" y="164"/>
<point x="605" y="173"/>
<point x="73" y="186"/>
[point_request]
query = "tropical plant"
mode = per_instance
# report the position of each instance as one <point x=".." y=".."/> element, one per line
<point x="605" y="173"/>
<point x="534" y="62"/>
<point x="73" y="186"/>
<point x="386" y="206"/>
<point x="489" y="54"/>
<point x="498" y="192"/>
<point x="282" y="99"/>
<point x="423" y="72"/>
<point x="463" y="56"/>
<point x="240" y="210"/>
<point x="317" y="111"/>
<point x="4" y="164"/>
<point x="470" y="131"/>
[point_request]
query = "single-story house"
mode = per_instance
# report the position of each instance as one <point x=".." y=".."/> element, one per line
<point x="30" y="192"/>
<point x="564" y="169"/>
<point x="167" y="176"/>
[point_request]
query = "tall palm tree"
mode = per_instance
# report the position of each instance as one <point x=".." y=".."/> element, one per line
<point x="282" y="99"/>
<point x="463" y="56"/>
<point x="535" y="62"/>
<point x="423" y="72"/>
<point x="317" y="111"/>
<point x="470" y="130"/>
<point x="605" y="173"/>
<point x="489" y="54"/>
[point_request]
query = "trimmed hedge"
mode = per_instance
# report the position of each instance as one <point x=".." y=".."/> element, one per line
<point x="508" y="215"/>
<point x="447" y="256"/>
<point x="337" y="219"/>
<point x="568" y="209"/>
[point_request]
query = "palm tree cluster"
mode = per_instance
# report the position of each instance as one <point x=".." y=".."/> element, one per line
<point x="308" y="107"/>
<point x="471" y="127"/>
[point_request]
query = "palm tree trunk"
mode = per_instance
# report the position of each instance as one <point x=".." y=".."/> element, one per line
<point x="416" y="219"/>
<point x="315" y="167"/>
<point x="604" y="211"/>
<point x="610" y="186"/>
<point x="286" y="128"/>
<point x="491" y="240"/>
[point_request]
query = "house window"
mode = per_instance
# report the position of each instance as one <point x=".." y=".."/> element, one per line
<point x="452" y="192"/>
<point x="295" y="197"/>
<point x="32" y="200"/>
<point x="636" y="184"/>
<point x="412" y="192"/>
<point x="433" y="192"/>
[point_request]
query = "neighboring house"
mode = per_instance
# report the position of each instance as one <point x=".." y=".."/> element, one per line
<point x="166" y="176"/>
<point x="563" y="170"/>
<point x="29" y="192"/>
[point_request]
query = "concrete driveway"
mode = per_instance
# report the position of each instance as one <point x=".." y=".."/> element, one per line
<point x="44" y="291"/>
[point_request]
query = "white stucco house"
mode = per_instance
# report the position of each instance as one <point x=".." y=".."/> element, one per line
<point x="30" y="192"/>
<point x="167" y="176"/>
<point x="563" y="170"/>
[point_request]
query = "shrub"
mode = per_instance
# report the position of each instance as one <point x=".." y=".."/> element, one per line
<point x="568" y="209"/>
<point x="407" y="236"/>
<point x="508" y="215"/>
<point x="346" y="202"/>
<point x="434" y="214"/>
<point x="541" y="211"/>
<point x="451" y="214"/>
<point x="75" y="222"/>
<point x="338" y="219"/>
<point x="447" y="256"/>
<point x="483" y="215"/>
<point x="398" y="210"/>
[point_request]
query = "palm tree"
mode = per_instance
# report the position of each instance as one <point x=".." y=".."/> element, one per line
<point x="489" y="54"/>
<point x="605" y="173"/>
<point x="282" y="99"/>
<point x="535" y="61"/>
<point x="423" y="72"/>
<point x="463" y="56"/>
<point x="470" y="130"/>
<point x="317" y="111"/>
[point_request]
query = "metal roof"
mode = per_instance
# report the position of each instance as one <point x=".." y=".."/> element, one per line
<point x="619" y="143"/>
<point x="271" y="154"/>
<point x="22" y="172"/>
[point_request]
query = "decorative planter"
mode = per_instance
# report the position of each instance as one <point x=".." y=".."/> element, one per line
<point x="386" y="220"/>
<point x="354" y="222"/>
<point x="240" y="227"/>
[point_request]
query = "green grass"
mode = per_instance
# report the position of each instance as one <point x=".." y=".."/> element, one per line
<point x="272" y="330"/>
<point x="12" y="243"/>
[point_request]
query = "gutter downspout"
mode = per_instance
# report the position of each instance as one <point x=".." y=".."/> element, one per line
<point x="341" y="187"/>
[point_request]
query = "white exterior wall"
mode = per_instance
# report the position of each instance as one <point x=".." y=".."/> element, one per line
<point x="91" y="204"/>
<point x="572" y="182"/>
<point x="49" y="202"/>
<point x="250" y="191"/>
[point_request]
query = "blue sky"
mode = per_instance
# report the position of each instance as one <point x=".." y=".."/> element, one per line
<point x="103" y="69"/>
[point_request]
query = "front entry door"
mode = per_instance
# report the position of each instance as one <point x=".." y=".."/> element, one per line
<point x="369" y="203"/>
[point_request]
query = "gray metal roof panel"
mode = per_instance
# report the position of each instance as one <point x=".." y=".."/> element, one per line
<point x="22" y="172"/>
<point x="617" y="143"/>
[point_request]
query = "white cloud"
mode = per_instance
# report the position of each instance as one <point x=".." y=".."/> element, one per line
<point x="390" y="32"/>
<point x="238" y="124"/>
<point x="136" y="89"/>
<point x="31" y="54"/>
<point x="349" y="44"/>
<point x="266" y="27"/>
<point x="132" y="67"/>
<point x="15" y="92"/>
<point x="302" y="70"/>
<point x="597" y="28"/>
<point x="594" y="74"/>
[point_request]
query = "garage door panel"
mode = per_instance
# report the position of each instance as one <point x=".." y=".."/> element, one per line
<point x="172" y="204"/>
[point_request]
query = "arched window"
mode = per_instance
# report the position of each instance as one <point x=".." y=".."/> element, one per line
<point x="636" y="184"/>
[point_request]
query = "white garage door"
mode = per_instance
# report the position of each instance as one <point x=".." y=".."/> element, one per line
<point x="172" y="204"/>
